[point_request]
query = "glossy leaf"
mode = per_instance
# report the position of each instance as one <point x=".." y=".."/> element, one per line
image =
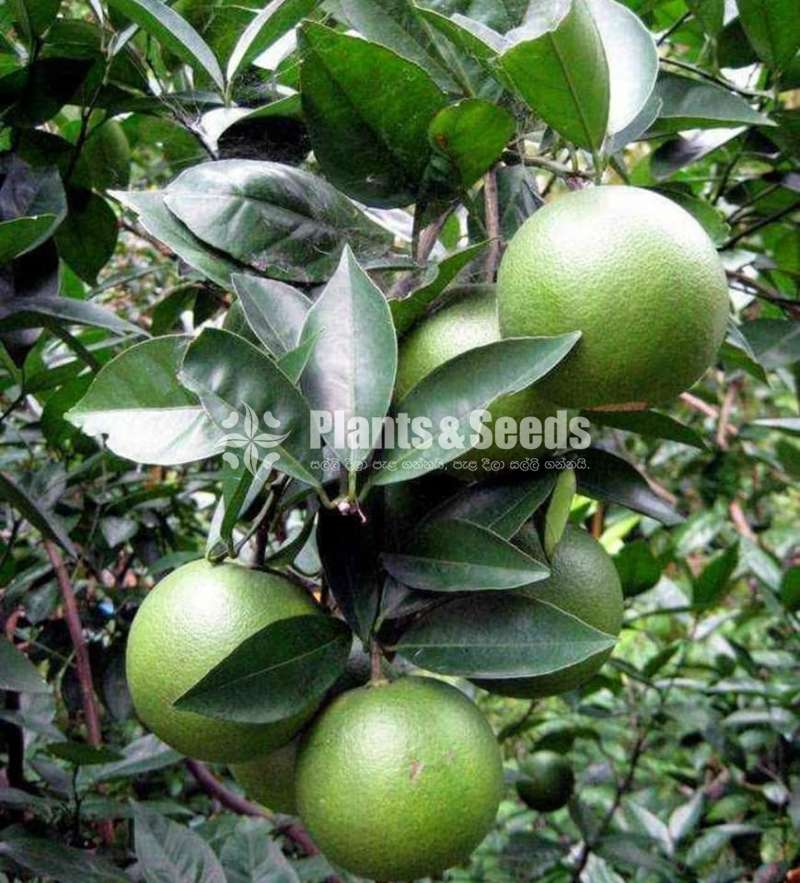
<point x="274" y="311"/>
<point x="500" y="635"/>
<point x="81" y="754"/>
<point x="558" y="66"/>
<point x="147" y="416"/>
<point x="267" y="26"/>
<point x="173" y="32"/>
<point x="467" y="383"/>
<point x="603" y="476"/>
<point x="372" y="149"/>
<point x="240" y="387"/>
<point x="161" y="223"/>
<point x="709" y="587"/>
<point x="450" y="555"/>
<point x="652" y="424"/>
<point x="35" y="511"/>
<point x="47" y="858"/>
<point x="250" y="855"/>
<point x="632" y="61"/>
<point x="351" y="371"/>
<point x="17" y="672"/>
<point x="688" y="103"/>
<point x="87" y="238"/>
<point x="472" y="134"/>
<point x="773" y="28"/>
<point x="558" y="510"/>
<point x="278" y="219"/>
<point x="31" y="312"/>
<point x="21" y="235"/>
<point x="282" y="667"/>
<point x="637" y="567"/>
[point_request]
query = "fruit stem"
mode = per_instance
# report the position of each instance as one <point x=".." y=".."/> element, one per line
<point x="376" y="669"/>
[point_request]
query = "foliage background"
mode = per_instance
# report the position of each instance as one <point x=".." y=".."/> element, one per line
<point x="686" y="746"/>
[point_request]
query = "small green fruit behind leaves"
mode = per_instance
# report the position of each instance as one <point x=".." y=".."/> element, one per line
<point x="547" y="783"/>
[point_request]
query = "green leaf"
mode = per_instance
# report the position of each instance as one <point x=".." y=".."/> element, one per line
<point x="251" y="855"/>
<point x="174" y="33"/>
<point x="35" y="16"/>
<point x="773" y="28"/>
<point x="144" y="755"/>
<point x="603" y="476"/>
<point x="32" y="312"/>
<point x="637" y="567"/>
<point x="558" y="66"/>
<point x="709" y="587"/>
<point x="168" y="851"/>
<point x="374" y="150"/>
<point x="282" y="667"/>
<point x="472" y="134"/>
<point x="278" y="219"/>
<point x="352" y="368"/>
<point x="268" y="26"/>
<point x="474" y="39"/>
<point x="501" y="505"/>
<point x="408" y="310"/>
<point x="500" y="635"/>
<point x="34" y="94"/>
<point x="274" y="311"/>
<point x="632" y="61"/>
<point x="558" y="511"/>
<point x="711" y="218"/>
<point x="396" y="25"/>
<point x="238" y="383"/>
<point x="17" y="672"/>
<point x="148" y="416"/>
<point x="648" y="423"/>
<point x="80" y="754"/>
<point x="20" y="235"/>
<point x="105" y="159"/>
<point x="687" y="103"/>
<point x="35" y="511"/>
<point x="468" y="383"/>
<point x="450" y="555"/>
<point x="775" y="342"/>
<point x="161" y="223"/>
<point x="49" y="859"/>
<point x="87" y="238"/>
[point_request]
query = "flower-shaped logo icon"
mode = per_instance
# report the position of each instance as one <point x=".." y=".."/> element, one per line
<point x="250" y="441"/>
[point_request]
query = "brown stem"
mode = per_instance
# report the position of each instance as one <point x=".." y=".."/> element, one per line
<point x="232" y="801"/>
<point x="765" y="292"/>
<point x="740" y="521"/>
<point x="724" y="424"/>
<point x="425" y="244"/>
<point x="492" y="212"/>
<point x="143" y="234"/>
<point x="72" y="616"/>
<point x="764" y="222"/>
<point x="697" y="404"/>
<point x="598" y="521"/>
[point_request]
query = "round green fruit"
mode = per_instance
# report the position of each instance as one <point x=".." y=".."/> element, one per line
<point x="190" y="622"/>
<point x="584" y="583"/>
<point x="269" y="780"/>
<point x="397" y="781"/>
<point x="548" y="782"/>
<point x="468" y="320"/>
<point x="637" y="275"/>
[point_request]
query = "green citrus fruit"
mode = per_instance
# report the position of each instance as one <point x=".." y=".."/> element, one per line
<point x="637" y="275"/>
<point x="401" y="780"/>
<point x="269" y="780"/>
<point x="468" y="320"/>
<point x="191" y="621"/>
<point x="584" y="583"/>
<point x="548" y="781"/>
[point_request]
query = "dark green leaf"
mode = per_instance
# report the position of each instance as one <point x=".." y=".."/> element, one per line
<point x="710" y="14"/>
<point x="648" y="423"/>
<point x="374" y="150"/>
<point x="450" y="555"/>
<point x="141" y="756"/>
<point x="251" y="855"/>
<point x="35" y="94"/>
<point x="147" y="415"/>
<point x="637" y="568"/>
<point x="282" y="667"/>
<point x="603" y="476"/>
<point x="558" y="65"/>
<point x="239" y="384"/>
<point x="32" y="509"/>
<point x="709" y="587"/>
<point x="17" y="672"/>
<point x="773" y="28"/>
<point x="281" y="220"/>
<point x="500" y="635"/>
<point x="558" y="510"/>
<point x="80" y="754"/>
<point x="32" y="312"/>
<point x="47" y="858"/>
<point x="173" y="32"/>
<point x="351" y="371"/>
<point x="775" y="342"/>
<point x="20" y="235"/>
<point x="87" y="238"/>
<point x="463" y="385"/>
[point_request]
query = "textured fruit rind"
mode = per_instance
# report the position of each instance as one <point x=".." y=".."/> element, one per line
<point x="637" y="275"/>
<point x="399" y="781"/>
<point x="187" y="624"/>
<point x="583" y="582"/>
<point x="269" y="780"/>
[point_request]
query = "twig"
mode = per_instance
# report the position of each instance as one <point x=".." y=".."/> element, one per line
<point x="723" y="425"/>
<point x="678" y="24"/>
<point x="598" y="521"/>
<point x="75" y="627"/>
<point x="143" y="234"/>
<point x="424" y="246"/>
<point x="551" y="165"/>
<point x="765" y="292"/>
<point x="697" y="404"/>
<point x="764" y="222"/>
<point x="718" y="80"/>
<point x="740" y="522"/>
<point x="235" y="803"/>
<point x="492" y="212"/>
